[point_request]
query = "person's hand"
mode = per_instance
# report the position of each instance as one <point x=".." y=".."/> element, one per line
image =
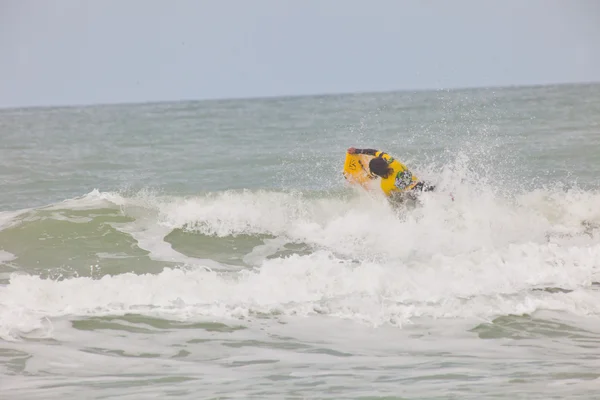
<point x="351" y="150"/>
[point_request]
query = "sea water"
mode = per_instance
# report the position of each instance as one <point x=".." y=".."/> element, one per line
<point x="214" y="250"/>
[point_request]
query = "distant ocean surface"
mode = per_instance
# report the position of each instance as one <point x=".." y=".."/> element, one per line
<point x="213" y="250"/>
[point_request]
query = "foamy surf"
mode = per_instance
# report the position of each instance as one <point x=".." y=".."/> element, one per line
<point x="478" y="285"/>
<point x="478" y="254"/>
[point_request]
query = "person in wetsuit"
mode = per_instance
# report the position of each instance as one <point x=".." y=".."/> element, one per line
<point x="396" y="179"/>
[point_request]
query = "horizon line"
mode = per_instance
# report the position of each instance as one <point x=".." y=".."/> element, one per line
<point x="293" y="96"/>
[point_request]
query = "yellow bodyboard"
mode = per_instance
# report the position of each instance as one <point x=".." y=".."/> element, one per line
<point x="356" y="169"/>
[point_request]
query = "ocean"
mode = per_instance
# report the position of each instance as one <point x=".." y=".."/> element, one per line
<point x="214" y="250"/>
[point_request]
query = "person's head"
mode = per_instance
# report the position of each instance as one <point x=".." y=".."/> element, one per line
<point x="380" y="167"/>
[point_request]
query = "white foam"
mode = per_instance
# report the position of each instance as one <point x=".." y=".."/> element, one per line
<point x="10" y="218"/>
<point x="366" y="227"/>
<point x="150" y="237"/>
<point x="476" y="285"/>
<point x="479" y="256"/>
<point x="5" y="256"/>
<point x="93" y="200"/>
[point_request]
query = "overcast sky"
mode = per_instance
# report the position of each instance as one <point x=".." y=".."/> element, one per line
<point x="105" y="51"/>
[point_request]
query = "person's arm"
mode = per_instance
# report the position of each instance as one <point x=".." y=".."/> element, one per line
<point x="370" y="152"/>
